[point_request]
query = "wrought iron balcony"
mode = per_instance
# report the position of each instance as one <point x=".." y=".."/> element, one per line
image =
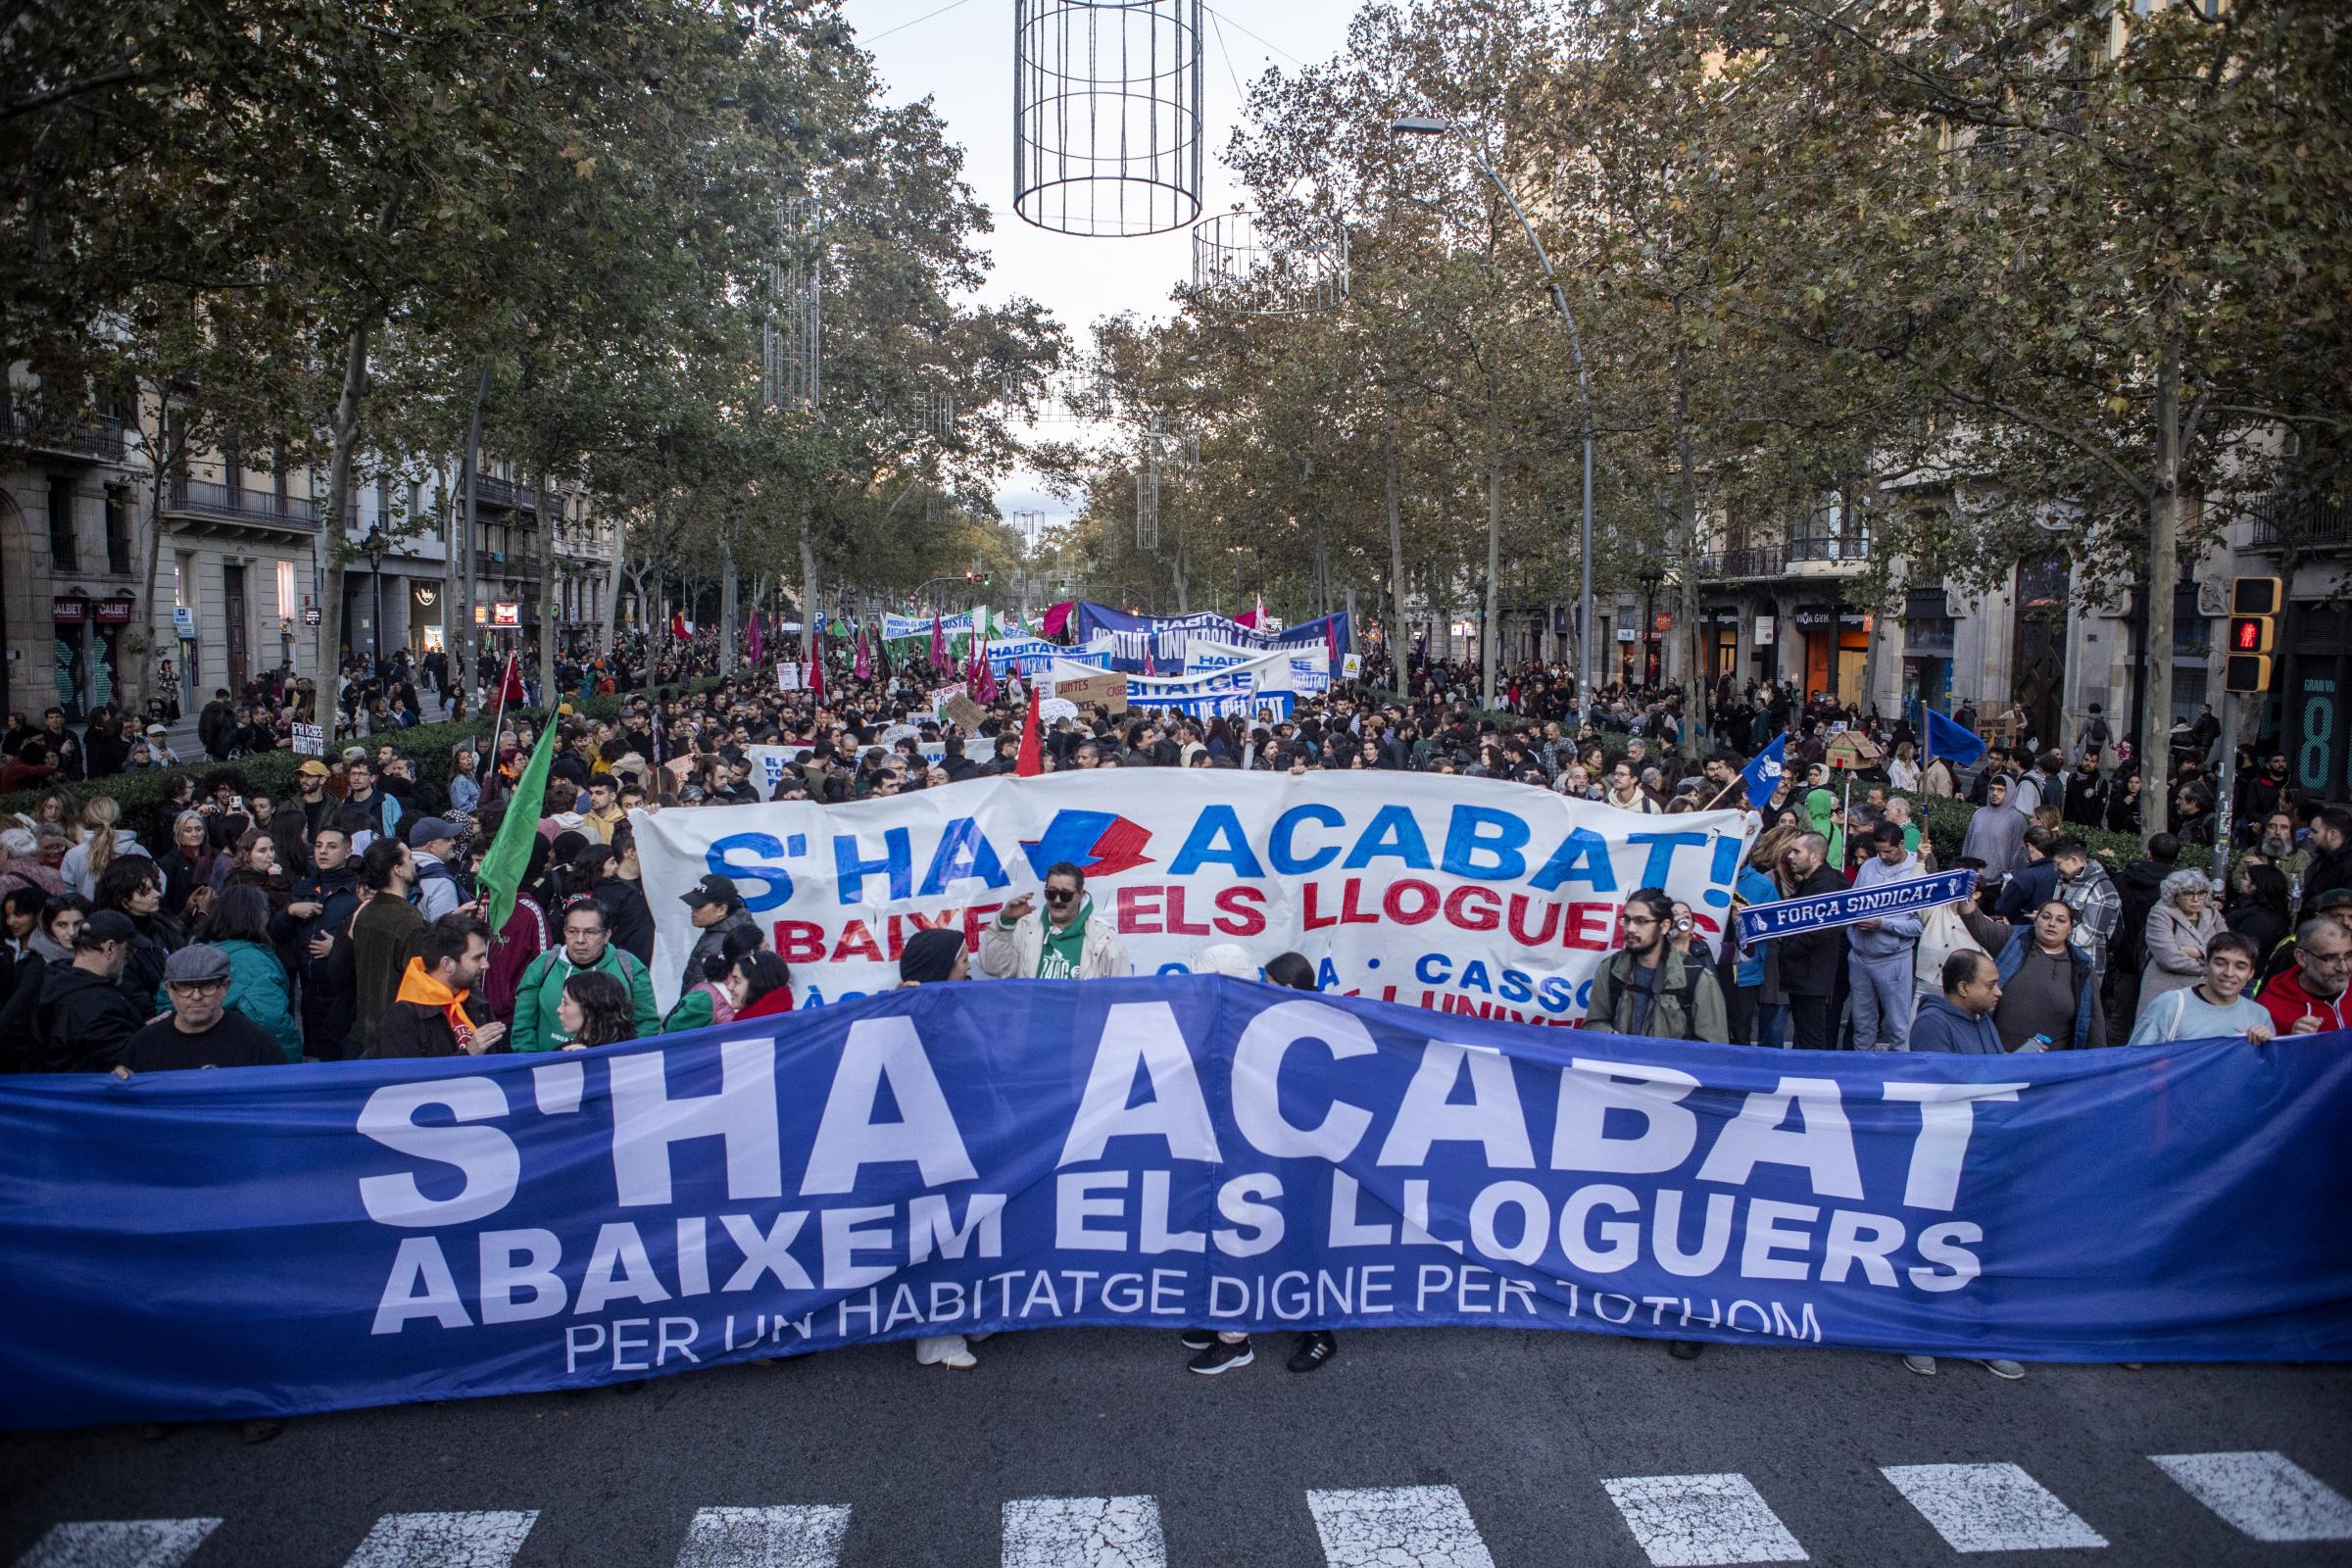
<point x="2301" y="521"/>
<point x="1766" y="561"/>
<point x="217" y="503"/>
<point x="100" y="438"/>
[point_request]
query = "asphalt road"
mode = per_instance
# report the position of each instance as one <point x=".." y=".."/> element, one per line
<point x="1412" y="1449"/>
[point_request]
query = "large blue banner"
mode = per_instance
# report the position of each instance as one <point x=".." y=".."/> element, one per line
<point x="1166" y="1153"/>
<point x="1169" y="639"/>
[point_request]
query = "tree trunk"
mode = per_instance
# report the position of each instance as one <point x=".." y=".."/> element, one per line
<point x="551" y="614"/>
<point x="727" y="604"/>
<point x="465" y="659"/>
<point x="2164" y="531"/>
<point x="1489" y="645"/>
<point x="161" y="459"/>
<point x="1396" y="633"/>
<point x="344" y="452"/>
<point x="1686" y="505"/>
<point x="808" y="590"/>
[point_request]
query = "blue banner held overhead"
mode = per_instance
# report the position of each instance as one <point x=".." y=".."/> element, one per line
<point x="1761" y="922"/>
<point x="1172" y="1151"/>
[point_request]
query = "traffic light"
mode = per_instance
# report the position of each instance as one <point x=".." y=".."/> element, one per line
<point x="2254" y="606"/>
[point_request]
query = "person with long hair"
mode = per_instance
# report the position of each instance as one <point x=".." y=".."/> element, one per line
<point x="101" y="841"/>
<point x="1758" y="1007"/>
<point x="760" y="986"/>
<point x="133" y="886"/>
<point x="2257" y="907"/>
<point x="239" y="927"/>
<point x="595" y="1010"/>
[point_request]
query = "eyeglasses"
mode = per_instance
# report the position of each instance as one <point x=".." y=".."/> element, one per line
<point x="196" y="988"/>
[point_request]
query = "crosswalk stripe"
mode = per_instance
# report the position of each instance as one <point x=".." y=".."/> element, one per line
<point x="1084" y="1533"/>
<point x="118" y="1543"/>
<point x="1990" y="1508"/>
<point x="803" y="1536"/>
<point x="487" y="1540"/>
<point x="1378" y="1527"/>
<point x="2264" y="1493"/>
<point x="1698" y="1521"/>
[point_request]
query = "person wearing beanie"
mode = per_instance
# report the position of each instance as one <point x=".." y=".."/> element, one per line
<point x="934" y="957"/>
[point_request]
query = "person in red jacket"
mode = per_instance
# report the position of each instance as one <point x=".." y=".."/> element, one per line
<point x="2309" y="998"/>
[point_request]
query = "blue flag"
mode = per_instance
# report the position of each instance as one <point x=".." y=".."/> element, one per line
<point x="1763" y="775"/>
<point x="1946" y="739"/>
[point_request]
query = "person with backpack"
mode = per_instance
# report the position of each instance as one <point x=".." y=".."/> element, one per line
<point x="440" y="889"/>
<point x="1645" y="987"/>
<point x="588" y="948"/>
<point x="2215" y="1006"/>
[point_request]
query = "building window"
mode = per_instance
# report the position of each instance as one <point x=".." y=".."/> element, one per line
<point x="118" y="531"/>
<point x="61" y="526"/>
<point x="1835" y="530"/>
<point x="286" y="590"/>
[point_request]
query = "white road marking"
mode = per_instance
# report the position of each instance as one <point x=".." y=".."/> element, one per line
<point x="1990" y="1507"/>
<point x="803" y="1536"/>
<point x="487" y="1540"/>
<point x="118" y="1543"/>
<point x="1398" y="1527"/>
<point x="2264" y="1493"/>
<point x="1694" y="1521"/>
<point x="1084" y="1533"/>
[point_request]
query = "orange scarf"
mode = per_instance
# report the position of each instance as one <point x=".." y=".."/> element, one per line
<point x="418" y="986"/>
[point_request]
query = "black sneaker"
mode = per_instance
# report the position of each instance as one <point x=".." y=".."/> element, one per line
<point x="1221" y="1357"/>
<point x="259" y="1431"/>
<point x="1196" y="1339"/>
<point x="1315" y="1346"/>
<point x="1685" y="1349"/>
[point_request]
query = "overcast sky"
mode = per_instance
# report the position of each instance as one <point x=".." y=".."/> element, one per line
<point x="961" y="59"/>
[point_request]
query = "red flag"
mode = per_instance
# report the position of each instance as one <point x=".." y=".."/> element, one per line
<point x="677" y="625"/>
<point x="817" y="673"/>
<point x="510" y="691"/>
<point x="1331" y="647"/>
<point x="1030" y="763"/>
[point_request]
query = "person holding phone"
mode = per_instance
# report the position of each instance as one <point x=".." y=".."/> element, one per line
<point x="1065" y="942"/>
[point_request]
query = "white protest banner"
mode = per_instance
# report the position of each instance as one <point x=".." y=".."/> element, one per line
<point x="1459" y="894"/>
<point x="896" y="627"/>
<point x="769" y="762"/>
<point x="1049" y="708"/>
<point x="1352" y="667"/>
<point x="1291" y="669"/>
<point x="788" y="676"/>
<point x="310" y="740"/>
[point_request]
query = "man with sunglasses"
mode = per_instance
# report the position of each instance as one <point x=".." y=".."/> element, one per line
<point x="201" y="1030"/>
<point x="1065" y="942"/>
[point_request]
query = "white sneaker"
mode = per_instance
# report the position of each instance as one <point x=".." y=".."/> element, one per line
<point x="1924" y="1365"/>
<point x="961" y="1362"/>
<point x="2004" y="1369"/>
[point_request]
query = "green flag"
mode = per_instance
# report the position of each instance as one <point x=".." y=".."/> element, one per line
<point x="510" y="852"/>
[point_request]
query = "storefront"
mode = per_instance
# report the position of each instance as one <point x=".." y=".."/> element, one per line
<point x="1837" y="643"/>
<point x="1718" y="642"/>
<point x="86" y="650"/>
<point x="2317" y="675"/>
<point x="1926" y="651"/>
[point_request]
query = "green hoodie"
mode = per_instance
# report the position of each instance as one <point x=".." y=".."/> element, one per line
<point x="1058" y="957"/>
<point x="541" y="992"/>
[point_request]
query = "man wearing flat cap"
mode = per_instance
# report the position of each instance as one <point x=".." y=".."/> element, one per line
<point x="202" y="1030"/>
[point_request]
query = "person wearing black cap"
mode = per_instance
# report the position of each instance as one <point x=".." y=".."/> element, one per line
<point x="201" y="1030"/>
<point x="717" y="909"/>
<point x="82" y="1018"/>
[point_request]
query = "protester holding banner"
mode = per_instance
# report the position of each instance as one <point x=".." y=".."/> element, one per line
<point x="1879" y="968"/>
<point x="1648" y="989"/>
<point x="1065" y="941"/>
<point x="587" y="947"/>
<point x="435" y="1013"/>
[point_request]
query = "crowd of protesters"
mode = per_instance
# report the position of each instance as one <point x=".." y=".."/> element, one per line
<point x="229" y="926"/>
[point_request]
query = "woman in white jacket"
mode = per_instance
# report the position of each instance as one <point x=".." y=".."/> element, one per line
<point x="101" y="841"/>
<point x="2181" y="928"/>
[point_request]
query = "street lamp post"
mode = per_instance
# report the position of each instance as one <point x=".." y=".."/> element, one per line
<point x="1585" y="664"/>
<point x="374" y="548"/>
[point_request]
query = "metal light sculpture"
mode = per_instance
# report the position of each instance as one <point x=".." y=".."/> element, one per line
<point x="1106" y="123"/>
<point x="791" y="359"/>
<point x="1242" y="264"/>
